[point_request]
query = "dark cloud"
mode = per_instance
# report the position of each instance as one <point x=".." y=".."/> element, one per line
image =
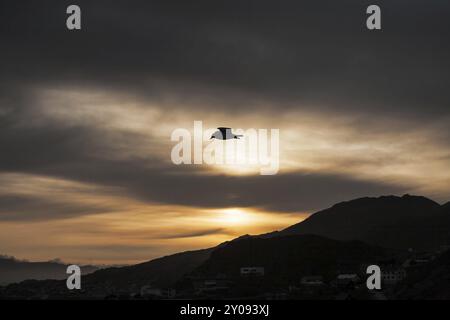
<point x="314" y="53"/>
<point x="87" y="154"/>
<point x="29" y="208"/>
<point x="288" y="53"/>
<point x="149" y="181"/>
<point x="193" y="234"/>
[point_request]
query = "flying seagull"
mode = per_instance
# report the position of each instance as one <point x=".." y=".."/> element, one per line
<point x="225" y="134"/>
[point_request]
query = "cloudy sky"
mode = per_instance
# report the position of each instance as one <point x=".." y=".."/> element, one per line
<point x="86" y="118"/>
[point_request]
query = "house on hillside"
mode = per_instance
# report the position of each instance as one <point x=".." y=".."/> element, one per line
<point x="347" y="280"/>
<point x="252" y="271"/>
<point x="312" y="281"/>
<point x="211" y="286"/>
<point x="419" y="259"/>
<point x="166" y="293"/>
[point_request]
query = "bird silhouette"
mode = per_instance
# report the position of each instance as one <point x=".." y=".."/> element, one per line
<point x="225" y="134"/>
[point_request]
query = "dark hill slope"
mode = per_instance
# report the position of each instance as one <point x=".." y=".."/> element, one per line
<point x="290" y="257"/>
<point x="389" y="221"/>
<point x="161" y="272"/>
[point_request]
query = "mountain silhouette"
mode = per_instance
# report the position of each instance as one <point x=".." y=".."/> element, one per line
<point x="446" y="206"/>
<point x="352" y="232"/>
<point x="291" y="257"/>
<point x="387" y="221"/>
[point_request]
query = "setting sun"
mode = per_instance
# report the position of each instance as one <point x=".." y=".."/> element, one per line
<point x="235" y="216"/>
